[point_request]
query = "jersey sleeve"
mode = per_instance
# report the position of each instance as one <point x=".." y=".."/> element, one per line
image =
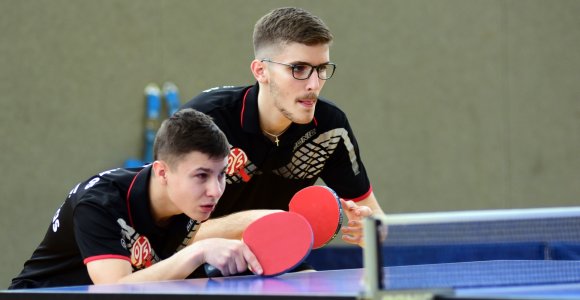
<point x="344" y="171"/>
<point x="98" y="232"/>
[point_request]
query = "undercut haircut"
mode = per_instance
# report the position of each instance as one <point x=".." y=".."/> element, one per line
<point x="289" y="25"/>
<point x="189" y="130"/>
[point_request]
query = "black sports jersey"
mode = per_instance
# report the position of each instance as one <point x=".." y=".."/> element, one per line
<point x="261" y="175"/>
<point x="107" y="216"/>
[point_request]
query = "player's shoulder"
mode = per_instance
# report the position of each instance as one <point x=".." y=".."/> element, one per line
<point x="103" y="187"/>
<point x="222" y="97"/>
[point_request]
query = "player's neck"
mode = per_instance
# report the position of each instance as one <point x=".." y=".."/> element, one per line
<point x="159" y="203"/>
<point x="272" y="121"/>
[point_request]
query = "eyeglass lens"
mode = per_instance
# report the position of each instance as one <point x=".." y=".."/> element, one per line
<point x="305" y="71"/>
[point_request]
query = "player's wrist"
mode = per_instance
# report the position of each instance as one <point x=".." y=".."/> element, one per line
<point x="194" y="255"/>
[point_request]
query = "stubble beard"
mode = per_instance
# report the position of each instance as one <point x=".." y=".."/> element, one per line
<point x="279" y="104"/>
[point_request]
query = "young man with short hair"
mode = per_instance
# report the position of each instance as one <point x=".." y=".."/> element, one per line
<point x="284" y="136"/>
<point x="135" y="225"/>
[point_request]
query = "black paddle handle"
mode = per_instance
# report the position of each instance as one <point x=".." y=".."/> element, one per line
<point x="211" y="271"/>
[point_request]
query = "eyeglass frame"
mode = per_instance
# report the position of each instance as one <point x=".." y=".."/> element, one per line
<point x="293" y="66"/>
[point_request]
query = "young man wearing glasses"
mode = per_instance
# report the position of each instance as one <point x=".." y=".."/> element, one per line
<point x="283" y="136"/>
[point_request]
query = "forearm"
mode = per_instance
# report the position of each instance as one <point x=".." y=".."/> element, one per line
<point x="178" y="266"/>
<point x="230" y="226"/>
<point x="227" y="255"/>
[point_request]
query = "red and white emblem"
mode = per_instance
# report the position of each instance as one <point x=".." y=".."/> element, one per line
<point x="141" y="254"/>
<point x="237" y="163"/>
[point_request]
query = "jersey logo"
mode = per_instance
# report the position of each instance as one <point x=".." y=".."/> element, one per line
<point x="304" y="138"/>
<point x="55" y="221"/>
<point x="237" y="160"/>
<point x="141" y="255"/>
<point x="92" y="183"/>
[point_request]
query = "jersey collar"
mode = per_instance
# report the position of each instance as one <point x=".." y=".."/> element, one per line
<point x="250" y="116"/>
<point x="138" y="196"/>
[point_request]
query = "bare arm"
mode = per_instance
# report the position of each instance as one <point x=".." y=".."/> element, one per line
<point x="229" y="256"/>
<point x="230" y="226"/>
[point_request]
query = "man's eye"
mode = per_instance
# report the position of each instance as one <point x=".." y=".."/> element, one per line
<point x="301" y="69"/>
<point x="202" y="176"/>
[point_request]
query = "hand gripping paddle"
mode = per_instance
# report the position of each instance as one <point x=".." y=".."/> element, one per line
<point x="280" y="241"/>
<point x="321" y="207"/>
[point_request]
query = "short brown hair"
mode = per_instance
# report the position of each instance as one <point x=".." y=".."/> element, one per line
<point x="186" y="131"/>
<point x="287" y="25"/>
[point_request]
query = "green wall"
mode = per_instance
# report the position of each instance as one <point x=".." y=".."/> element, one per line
<point x="457" y="104"/>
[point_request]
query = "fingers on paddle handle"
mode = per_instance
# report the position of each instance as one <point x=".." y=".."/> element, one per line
<point x="252" y="261"/>
<point x="211" y="271"/>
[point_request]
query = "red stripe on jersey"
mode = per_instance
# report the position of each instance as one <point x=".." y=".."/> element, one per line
<point x="128" y="195"/>
<point x="106" y="256"/>
<point x="244" y="107"/>
<point x="357" y="199"/>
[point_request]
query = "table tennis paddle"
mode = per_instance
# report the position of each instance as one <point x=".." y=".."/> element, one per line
<point x="280" y="241"/>
<point x="321" y="207"/>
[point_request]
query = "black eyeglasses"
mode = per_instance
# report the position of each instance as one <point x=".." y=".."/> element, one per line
<point x="304" y="71"/>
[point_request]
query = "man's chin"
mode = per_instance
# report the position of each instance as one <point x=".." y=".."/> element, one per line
<point x="303" y="118"/>
<point x="201" y="216"/>
<point x="304" y="121"/>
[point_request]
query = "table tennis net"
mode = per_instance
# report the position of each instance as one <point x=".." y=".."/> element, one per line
<point x="481" y="274"/>
<point x="461" y="232"/>
<point x="539" y="228"/>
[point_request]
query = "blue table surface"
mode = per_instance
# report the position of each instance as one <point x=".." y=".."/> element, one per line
<point x="486" y="279"/>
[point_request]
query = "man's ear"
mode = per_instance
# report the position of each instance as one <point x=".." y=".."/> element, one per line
<point x="259" y="70"/>
<point x="160" y="169"/>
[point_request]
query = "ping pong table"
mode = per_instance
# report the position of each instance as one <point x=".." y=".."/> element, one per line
<point x="474" y="279"/>
<point x="506" y="279"/>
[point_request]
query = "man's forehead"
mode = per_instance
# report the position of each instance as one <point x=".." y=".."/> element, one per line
<point x="197" y="160"/>
<point x="296" y="52"/>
